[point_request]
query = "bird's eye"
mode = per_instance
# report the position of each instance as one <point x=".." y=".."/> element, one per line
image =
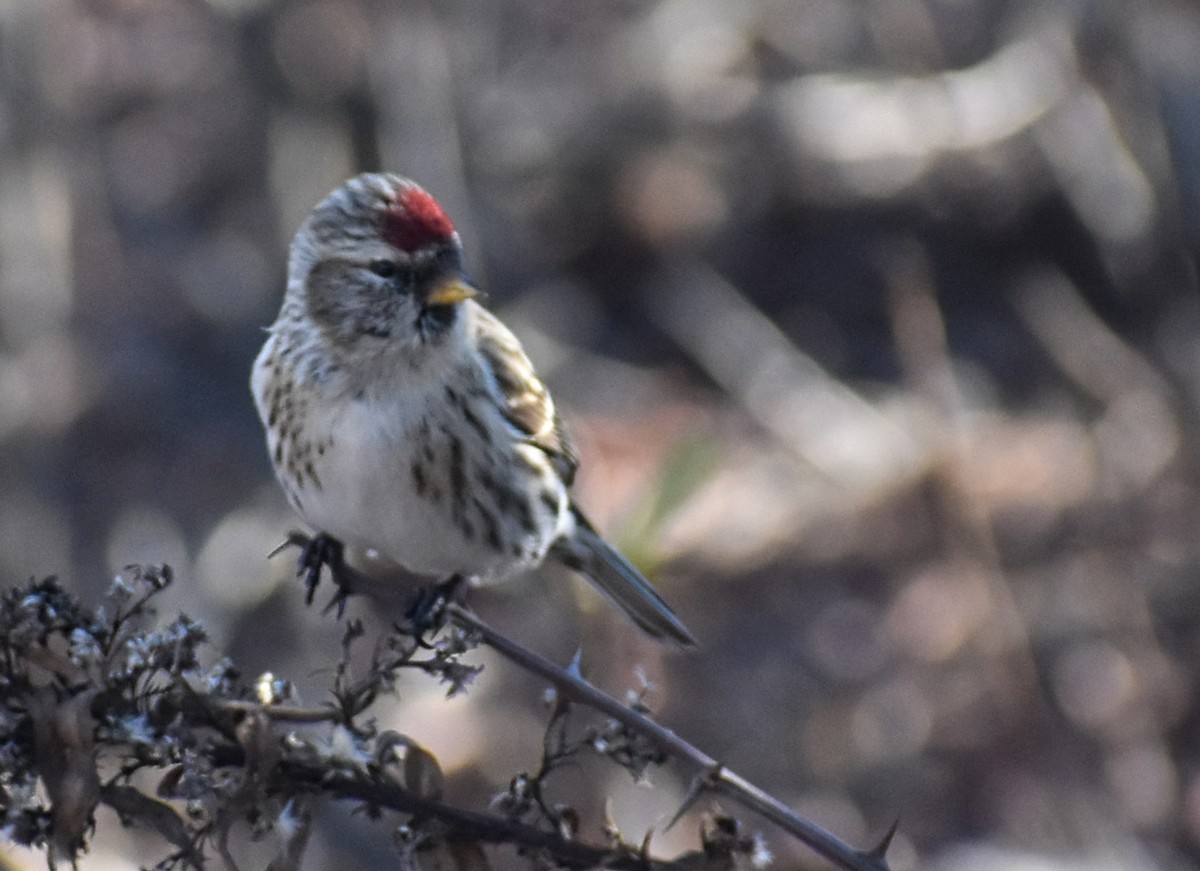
<point x="383" y="268"/>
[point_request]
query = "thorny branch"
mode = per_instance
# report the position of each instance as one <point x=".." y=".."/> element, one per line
<point x="712" y="774"/>
<point x="91" y="700"/>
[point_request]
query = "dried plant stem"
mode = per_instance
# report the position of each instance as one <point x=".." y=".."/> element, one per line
<point x="471" y="825"/>
<point x="712" y="775"/>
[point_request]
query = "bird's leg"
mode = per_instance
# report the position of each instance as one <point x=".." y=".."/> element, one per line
<point x="426" y="612"/>
<point x="316" y="552"/>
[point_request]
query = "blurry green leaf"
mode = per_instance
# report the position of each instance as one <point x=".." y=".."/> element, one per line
<point x="691" y="462"/>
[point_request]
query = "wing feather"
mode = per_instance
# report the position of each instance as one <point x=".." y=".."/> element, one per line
<point x="528" y="406"/>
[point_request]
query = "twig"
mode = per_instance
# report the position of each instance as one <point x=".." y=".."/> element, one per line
<point x="466" y="824"/>
<point x="282" y="713"/>
<point x="713" y="774"/>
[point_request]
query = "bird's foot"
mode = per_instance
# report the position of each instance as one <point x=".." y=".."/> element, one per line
<point x="316" y="552"/>
<point x="426" y="611"/>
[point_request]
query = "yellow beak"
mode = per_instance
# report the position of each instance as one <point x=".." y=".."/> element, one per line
<point x="450" y="291"/>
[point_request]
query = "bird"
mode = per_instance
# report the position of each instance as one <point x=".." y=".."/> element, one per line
<point x="405" y="420"/>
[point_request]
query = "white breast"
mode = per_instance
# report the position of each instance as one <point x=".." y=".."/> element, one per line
<point x="399" y="469"/>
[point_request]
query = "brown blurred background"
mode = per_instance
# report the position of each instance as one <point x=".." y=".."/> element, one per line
<point x="876" y="322"/>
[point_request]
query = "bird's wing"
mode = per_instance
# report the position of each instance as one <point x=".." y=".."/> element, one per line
<point x="528" y="406"/>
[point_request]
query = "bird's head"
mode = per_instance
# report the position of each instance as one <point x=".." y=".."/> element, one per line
<point x="379" y="262"/>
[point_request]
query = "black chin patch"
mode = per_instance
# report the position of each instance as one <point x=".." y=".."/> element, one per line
<point x="379" y="331"/>
<point x="437" y="319"/>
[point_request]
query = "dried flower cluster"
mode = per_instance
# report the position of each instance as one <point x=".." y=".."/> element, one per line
<point x="102" y="707"/>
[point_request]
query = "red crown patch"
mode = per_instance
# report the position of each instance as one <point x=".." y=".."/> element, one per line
<point x="415" y="220"/>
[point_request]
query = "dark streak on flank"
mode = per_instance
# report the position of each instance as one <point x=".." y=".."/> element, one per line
<point x="312" y="473"/>
<point x="491" y="529"/>
<point x="425" y="439"/>
<point x="458" y="475"/>
<point x="476" y="424"/>
<point x="525" y="514"/>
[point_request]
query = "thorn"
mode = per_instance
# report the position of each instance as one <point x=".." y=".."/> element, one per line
<point x="879" y="851"/>
<point x="573" y="667"/>
<point x="611" y="832"/>
<point x="644" y="850"/>
<point x="701" y="782"/>
<point x="694" y="791"/>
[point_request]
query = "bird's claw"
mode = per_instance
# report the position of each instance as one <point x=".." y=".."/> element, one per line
<point x="426" y="612"/>
<point x="316" y="552"/>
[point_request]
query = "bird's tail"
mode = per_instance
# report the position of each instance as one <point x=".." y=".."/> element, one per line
<point x="612" y="574"/>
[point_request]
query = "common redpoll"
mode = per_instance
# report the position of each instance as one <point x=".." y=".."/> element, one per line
<point x="404" y="419"/>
